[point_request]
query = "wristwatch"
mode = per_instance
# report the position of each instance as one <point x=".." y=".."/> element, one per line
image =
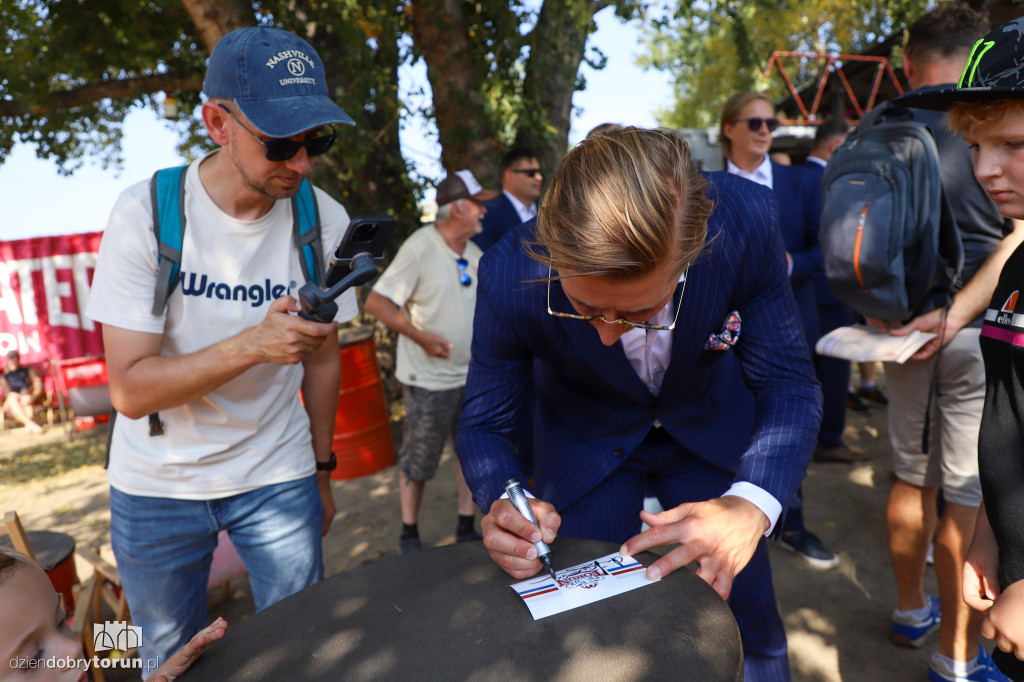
<point x="329" y="465"/>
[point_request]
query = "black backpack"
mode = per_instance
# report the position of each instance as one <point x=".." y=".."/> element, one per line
<point x="888" y="235"/>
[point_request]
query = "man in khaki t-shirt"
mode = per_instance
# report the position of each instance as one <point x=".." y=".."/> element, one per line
<point x="428" y="295"/>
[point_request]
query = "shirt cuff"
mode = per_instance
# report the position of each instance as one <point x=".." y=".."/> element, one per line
<point x="758" y="497"/>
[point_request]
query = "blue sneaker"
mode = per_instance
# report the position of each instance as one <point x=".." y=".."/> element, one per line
<point x="984" y="670"/>
<point x="912" y="633"/>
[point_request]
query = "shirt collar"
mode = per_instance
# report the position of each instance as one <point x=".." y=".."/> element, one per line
<point x="762" y="175"/>
<point x="525" y="212"/>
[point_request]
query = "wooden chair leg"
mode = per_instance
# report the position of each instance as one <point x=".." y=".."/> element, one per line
<point x="12" y="524"/>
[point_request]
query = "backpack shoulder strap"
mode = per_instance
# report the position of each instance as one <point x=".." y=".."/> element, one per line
<point x="167" y="194"/>
<point x="306" y="233"/>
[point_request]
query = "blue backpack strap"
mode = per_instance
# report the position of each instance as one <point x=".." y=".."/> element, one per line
<point x="306" y="233"/>
<point x="167" y="193"/>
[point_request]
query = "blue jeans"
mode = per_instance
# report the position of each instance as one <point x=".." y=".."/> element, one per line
<point x="164" y="549"/>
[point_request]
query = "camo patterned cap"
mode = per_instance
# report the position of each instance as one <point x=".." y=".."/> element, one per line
<point x="995" y="70"/>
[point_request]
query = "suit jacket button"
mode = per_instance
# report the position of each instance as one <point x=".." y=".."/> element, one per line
<point x="620" y="453"/>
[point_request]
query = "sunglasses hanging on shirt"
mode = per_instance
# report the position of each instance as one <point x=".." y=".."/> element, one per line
<point x="464" y="278"/>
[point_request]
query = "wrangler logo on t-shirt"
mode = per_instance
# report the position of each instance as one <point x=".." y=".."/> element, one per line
<point x="254" y="294"/>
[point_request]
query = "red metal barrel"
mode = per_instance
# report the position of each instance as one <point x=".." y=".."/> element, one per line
<point x="362" y="430"/>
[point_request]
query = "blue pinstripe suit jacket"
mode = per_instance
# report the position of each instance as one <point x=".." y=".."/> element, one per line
<point x="798" y="194"/>
<point x="822" y="293"/>
<point x="592" y="409"/>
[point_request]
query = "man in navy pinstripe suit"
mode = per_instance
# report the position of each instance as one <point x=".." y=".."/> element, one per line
<point x="643" y="299"/>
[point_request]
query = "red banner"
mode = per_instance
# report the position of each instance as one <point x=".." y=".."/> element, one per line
<point x="44" y="286"/>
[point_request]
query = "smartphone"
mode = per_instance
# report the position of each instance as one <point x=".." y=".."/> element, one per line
<point x="366" y="234"/>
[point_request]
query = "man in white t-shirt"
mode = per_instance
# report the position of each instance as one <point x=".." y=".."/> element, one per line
<point x="428" y="295"/>
<point x="224" y="363"/>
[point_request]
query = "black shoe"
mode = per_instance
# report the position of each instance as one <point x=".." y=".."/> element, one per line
<point x="410" y="544"/>
<point x="873" y="395"/>
<point x="840" y="453"/>
<point x="810" y="548"/>
<point x="471" y="536"/>
<point x="855" y="402"/>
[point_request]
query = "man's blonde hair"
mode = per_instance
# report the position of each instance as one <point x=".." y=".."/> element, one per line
<point x="964" y="117"/>
<point x="731" y="111"/>
<point x="622" y="203"/>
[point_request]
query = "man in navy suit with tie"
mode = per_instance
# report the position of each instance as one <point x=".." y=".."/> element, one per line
<point x="521" y="181"/>
<point x="643" y="299"/>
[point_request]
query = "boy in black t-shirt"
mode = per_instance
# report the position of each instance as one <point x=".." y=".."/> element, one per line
<point x="987" y="109"/>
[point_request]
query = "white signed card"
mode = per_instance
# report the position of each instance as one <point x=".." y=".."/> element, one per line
<point x="582" y="584"/>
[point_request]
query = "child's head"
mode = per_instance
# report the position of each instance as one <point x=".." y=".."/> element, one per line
<point x="965" y="117"/>
<point x="36" y="642"/>
<point x="987" y="108"/>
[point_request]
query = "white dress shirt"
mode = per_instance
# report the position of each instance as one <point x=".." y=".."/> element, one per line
<point x="649" y="352"/>
<point x="525" y="212"/>
<point x="762" y="175"/>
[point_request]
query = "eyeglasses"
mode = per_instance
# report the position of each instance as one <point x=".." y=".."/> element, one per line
<point x="464" y="278"/>
<point x="638" y="325"/>
<point x="755" y="123"/>
<point x="282" y="150"/>
<point x="532" y="172"/>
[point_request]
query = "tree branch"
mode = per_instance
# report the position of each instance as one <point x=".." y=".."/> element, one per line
<point x="89" y="94"/>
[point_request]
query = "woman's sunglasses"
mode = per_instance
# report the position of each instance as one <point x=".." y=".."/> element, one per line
<point x="464" y="278"/>
<point x="282" y="150"/>
<point x="755" y="123"/>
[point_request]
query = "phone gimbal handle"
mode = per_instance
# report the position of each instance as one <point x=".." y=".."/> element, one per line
<point x="318" y="304"/>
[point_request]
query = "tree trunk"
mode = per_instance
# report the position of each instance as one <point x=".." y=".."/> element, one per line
<point x="557" y="46"/>
<point x="456" y="79"/>
<point x="213" y="19"/>
<point x="368" y="173"/>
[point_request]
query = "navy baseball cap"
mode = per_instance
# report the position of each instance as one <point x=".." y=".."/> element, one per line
<point x="275" y="78"/>
<point x="995" y="70"/>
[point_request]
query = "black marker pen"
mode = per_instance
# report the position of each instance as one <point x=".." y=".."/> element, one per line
<point x="518" y="499"/>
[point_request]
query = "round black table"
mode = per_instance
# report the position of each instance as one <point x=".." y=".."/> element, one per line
<point x="448" y="613"/>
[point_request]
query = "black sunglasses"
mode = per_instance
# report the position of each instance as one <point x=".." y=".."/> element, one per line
<point x="532" y="172"/>
<point x="282" y="150"/>
<point x="755" y="123"/>
<point x="464" y="278"/>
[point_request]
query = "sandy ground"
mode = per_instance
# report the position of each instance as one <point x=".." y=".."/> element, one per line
<point x="837" y="621"/>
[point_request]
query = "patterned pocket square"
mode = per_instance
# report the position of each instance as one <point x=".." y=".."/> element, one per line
<point x="729" y="335"/>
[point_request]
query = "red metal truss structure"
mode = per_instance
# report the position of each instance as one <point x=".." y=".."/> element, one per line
<point x="835" y="64"/>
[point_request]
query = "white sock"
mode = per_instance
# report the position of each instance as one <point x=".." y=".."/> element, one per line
<point x="917" y="614"/>
<point x="958" y="668"/>
<point x="867" y="385"/>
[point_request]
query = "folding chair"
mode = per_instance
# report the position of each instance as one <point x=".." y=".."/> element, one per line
<point x="82" y="390"/>
<point x="104" y="590"/>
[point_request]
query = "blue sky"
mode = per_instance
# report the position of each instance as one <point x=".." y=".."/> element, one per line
<point x="39" y="202"/>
